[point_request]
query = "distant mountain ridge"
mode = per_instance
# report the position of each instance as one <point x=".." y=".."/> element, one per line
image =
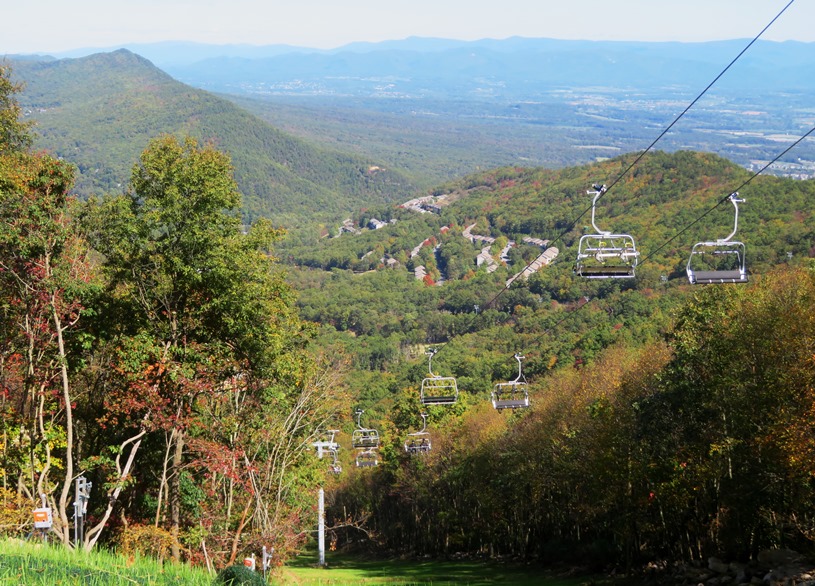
<point x="100" y="111"/>
<point x="515" y="67"/>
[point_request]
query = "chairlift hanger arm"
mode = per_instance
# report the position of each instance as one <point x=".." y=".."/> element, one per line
<point x="424" y="422"/>
<point x="430" y="353"/>
<point x="520" y="377"/>
<point x="599" y="191"/>
<point x="735" y="200"/>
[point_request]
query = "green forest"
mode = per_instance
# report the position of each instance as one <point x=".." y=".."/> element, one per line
<point x="184" y="354"/>
<point x="101" y="111"/>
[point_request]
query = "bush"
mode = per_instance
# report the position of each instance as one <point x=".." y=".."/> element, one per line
<point x="237" y="575"/>
<point x="146" y="540"/>
<point x="15" y="514"/>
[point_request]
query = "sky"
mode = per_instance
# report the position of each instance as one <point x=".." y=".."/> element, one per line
<point x="43" y="26"/>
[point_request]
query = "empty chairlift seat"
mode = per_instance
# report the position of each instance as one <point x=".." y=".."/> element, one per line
<point x="367" y="459"/>
<point x="366" y="443"/>
<point x="438" y="390"/>
<point x="605" y="255"/>
<point x="363" y="437"/>
<point x="419" y="441"/>
<point x="513" y="394"/>
<point x="719" y="261"/>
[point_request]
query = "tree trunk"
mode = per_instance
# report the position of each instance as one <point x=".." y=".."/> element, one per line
<point x="69" y="428"/>
<point x="93" y="535"/>
<point x="162" y="487"/>
<point x="175" y="493"/>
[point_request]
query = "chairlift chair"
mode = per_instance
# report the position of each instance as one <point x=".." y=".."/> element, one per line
<point x="367" y="458"/>
<point x="438" y="390"/>
<point x="335" y="466"/>
<point x="362" y="437"/>
<point x="719" y="261"/>
<point x="327" y="443"/>
<point x="419" y="441"/>
<point x="605" y="255"/>
<point x="513" y="394"/>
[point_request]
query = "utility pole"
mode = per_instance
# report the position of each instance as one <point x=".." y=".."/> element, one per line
<point x="321" y="528"/>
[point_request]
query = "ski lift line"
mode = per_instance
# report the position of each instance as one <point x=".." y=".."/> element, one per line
<point x="672" y="124"/>
<point x="728" y="196"/>
<point x="660" y="136"/>
<point x="724" y="199"/>
<point x="639" y="157"/>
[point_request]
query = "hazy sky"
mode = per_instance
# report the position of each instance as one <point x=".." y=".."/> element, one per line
<point x="55" y="25"/>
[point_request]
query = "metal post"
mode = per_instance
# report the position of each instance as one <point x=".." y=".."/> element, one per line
<point x="321" y="531"/>
<point x="83" y="495"/>
<point x="78" y="512"/>
<point x="267" y="560"/>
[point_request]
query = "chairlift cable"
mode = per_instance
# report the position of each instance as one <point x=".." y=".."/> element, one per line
<point x="567" y="315"/>
<point x="654" y="142"/>
<point x="639" y="157"/>
<point x="727" y="197"/>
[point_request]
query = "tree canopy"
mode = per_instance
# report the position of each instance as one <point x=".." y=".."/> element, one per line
<point x="151" y="345"/>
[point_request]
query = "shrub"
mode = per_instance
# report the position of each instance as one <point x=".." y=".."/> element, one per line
<point x="238" y="575"/>
<point x="146" y="540"/>
<point x="15" y="513"/>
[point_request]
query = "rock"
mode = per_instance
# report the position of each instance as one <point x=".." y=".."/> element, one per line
<point x="740" y="572"/>
<point x="717" y="565"/>
<point x="773" y="558"/>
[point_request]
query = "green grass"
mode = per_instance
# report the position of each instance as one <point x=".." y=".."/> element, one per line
<point x="23" y="563"/>
<point x="343" y="570"/>
<point x="50" y="565"/>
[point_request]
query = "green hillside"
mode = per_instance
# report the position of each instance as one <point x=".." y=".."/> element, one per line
<point x="362" y="287"/>
<point x="445" y="141"/>
<point x="651" y="399"/>
<point x="99" y="112"/>
<point x="664" y="195"/>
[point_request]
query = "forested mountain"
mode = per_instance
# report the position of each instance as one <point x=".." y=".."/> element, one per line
<point x="365" y="283"/>
<point x="666" y="419"/>
<point x="656" y="201"/>
<point x="100" y="111"/>
<point x="364" y="289"/>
